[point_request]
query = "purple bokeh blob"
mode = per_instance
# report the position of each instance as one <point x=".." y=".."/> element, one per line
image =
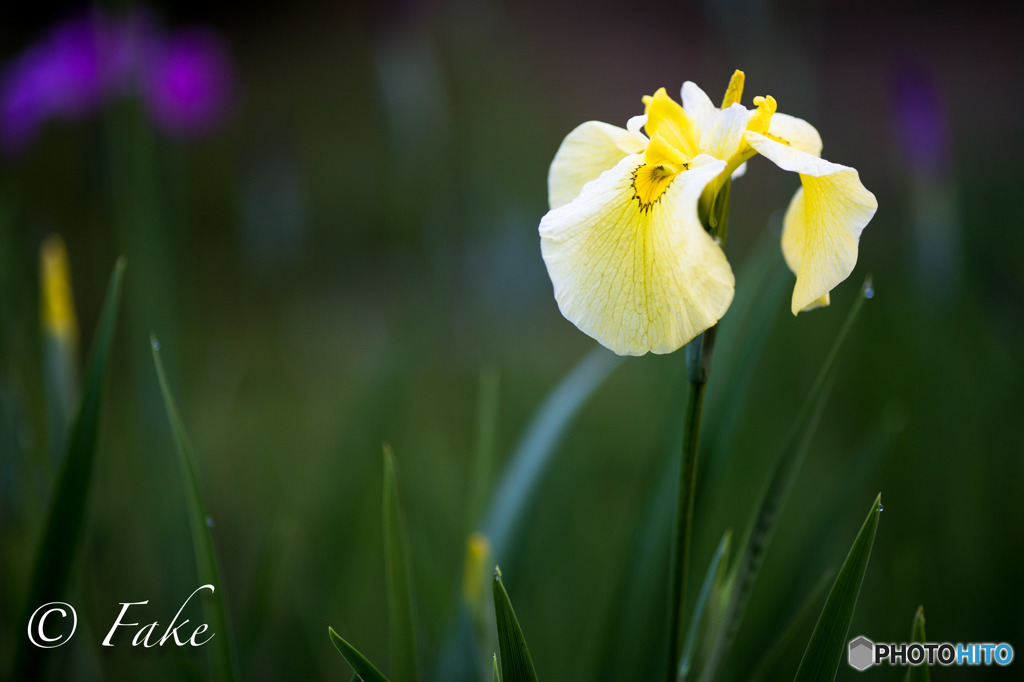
<point x="185" y="78"/>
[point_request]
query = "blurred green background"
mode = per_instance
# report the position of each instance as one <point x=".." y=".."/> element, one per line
<point x="331" y="269"/>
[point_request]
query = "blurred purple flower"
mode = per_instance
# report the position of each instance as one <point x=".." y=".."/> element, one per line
<point x="186" y="82"/>
<point x="185" y="79"/>
<point x="921" y="119"/>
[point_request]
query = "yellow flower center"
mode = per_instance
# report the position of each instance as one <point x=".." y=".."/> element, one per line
<point x="674" y="141"/>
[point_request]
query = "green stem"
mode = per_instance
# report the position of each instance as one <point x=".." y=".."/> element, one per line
<point x="699" y="353"/>
<point x="698" y="357"/>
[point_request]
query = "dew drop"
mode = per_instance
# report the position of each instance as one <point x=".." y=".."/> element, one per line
<point x="881" y="508"/>
<point x="209" y="521"/>
<point x="156" y="344"/>
<point x="869" y="289"/>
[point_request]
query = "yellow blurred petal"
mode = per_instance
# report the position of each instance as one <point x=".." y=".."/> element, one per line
<point x="822" y="226"/>
<point x="58" y="306"/>
<point x="585" y="153"/>
<point x="760" y="120"/>
<point x="796" y="133"/>
<point x="734" y="93"/>
<point x="723" y="133"/>
<point x="667" y="117"/>
<point x="478" y="554"/>
<point x="638" y="277"/>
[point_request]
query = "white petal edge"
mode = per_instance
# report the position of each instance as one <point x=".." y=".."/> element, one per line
<point x="722" y="135"/>
<point x="636" y="280"/>
<point x="822" y="226"/>
<point x="697" y="104"/>
<point x="589" y="150"/>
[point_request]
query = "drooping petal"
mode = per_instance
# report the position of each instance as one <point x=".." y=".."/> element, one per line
<point x="795" y="132"/>
<point x="723" y="133"/>
<point x="697" y="104"/>
<point x="822" y="226"/>
<point x="638" y="278"/>
<point x="589" y="150"/>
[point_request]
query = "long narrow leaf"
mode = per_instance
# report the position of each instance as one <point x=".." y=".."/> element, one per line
<point x="223" y="662"/>
<point x="918" y="673"/>
<point x="707" y="599"/>
<point x="533" y="454"/>
<point x="396" y="565"/>
<point x="828" y="641"/>
<point x="365" y="670"/>
<point x="799" y="625"/>
<point x="634" y="639"/>
<point x="518" y="483"/>
<point x="773" y="497"/>
<point x="63" y="526"/>
<point x="486" y="444"/>
<point x="516" y="664"/>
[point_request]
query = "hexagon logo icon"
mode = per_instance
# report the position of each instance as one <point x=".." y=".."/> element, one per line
<point x="861" y="655"/>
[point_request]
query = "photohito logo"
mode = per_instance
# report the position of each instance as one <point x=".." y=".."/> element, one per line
<point x="862" y="653"/>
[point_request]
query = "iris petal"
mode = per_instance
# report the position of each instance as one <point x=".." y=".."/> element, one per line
<point x="638" y="278"/>
<point x="589" y="150"/>
<point x="822" y="226"/>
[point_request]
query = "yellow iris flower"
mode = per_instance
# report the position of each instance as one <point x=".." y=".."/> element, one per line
<point x="631" y="261"/>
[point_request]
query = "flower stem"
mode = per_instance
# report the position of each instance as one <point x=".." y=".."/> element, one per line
<point x="699" y="353"/>
<point x="698" y="359"/>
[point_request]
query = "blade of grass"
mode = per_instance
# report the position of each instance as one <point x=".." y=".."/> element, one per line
<point x="517" y="486"/>
<point x="828" y="641"/>
<point x="773" y="497"/>
<point x="401" y="619"/>
<point x="496" y="676"/>
<point x="486" y="444"/>
<point x="63" y="526"/>
<point x="634" y="626"/>
<point x="222" y="658"/>
<point x="59" y="328"/>
<point x="918" y="673"/>
<point x="707" y="599"/>
<point x="516" y="664"/>
<point x="801" y="623"/>
<point x="531" y="457"/>
<point x="365" y="670"/>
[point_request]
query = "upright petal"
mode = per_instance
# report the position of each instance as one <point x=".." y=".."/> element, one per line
<point x="723" y="133"/>
<point x="697" y="104"/>
<point x="822" y="226"/>
<point x="638" y="278"/>
<point x="589" y="150"/>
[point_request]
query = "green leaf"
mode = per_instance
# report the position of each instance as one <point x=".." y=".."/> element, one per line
<point x="516" y="664"/>
<point x="918" y="673"/>
<point x="828" y="641"/>
<point x="365" y="670"/>
<point x="531" y="457"/>
<point x="517" y="486"/>
<point x="401" y="620"/>
<point x="709" y="597"/>
<point x="632" y="642"/>
<point x="496" y="676"/>
<point x="799" y="625"/>
<point x="773" y="497"/>
<point x="223" y="662"/>
<point x="486" y="444"/>
<point x="63" y="525"/>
